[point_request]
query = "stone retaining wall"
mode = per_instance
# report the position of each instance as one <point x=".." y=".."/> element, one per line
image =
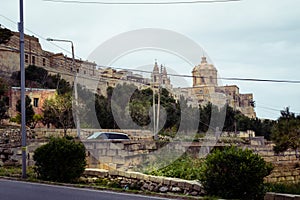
<point x="123" y="155"/>
<point x="117" y="154"/>
<point x="277" y="196"/>
<point x="285" y="172"/>
<point x="286" y="165"/>
<point x="139" y="181"/>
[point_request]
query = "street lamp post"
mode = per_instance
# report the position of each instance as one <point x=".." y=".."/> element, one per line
<point x="75" y="82"/>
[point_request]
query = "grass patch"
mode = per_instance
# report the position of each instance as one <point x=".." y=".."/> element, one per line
<point x="185" y="167"/>
<point x="16" y="172"/>
<point x="287" y="188"/>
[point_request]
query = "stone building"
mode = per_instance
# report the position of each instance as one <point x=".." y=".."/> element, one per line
<point x="35" y="55"/>
<point x="88" y="73"/>
<point x="37" y="96"/>
<point x="206" y="89"/>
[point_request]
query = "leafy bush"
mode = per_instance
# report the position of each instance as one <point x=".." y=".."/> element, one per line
<point x="61" y="160"/>
<point x="235" y="174"/>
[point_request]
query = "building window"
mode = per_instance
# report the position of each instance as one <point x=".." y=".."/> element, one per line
<point x="202" y="80"/>
<point x="77" y="70"/>
<point x="84" y="72"/>
<point x="36" y="102"/>
<point x="211" y="79"/>
<point x="26" y="58"/>
<point x="44" y="62"/>
<point x="33" y="60"/>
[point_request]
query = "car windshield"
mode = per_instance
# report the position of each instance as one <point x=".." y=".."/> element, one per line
<point x="94" y="135"/>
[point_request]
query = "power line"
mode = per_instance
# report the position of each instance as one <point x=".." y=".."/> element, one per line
<point x="40" y="36"/>
<point x="174" y="75"/>
<point x="268" y="108"/>
<point x="221" y="78"/>
<point x="274" y="109"/>
<point x="180" y="75"/>
<point x="140" y="3"/>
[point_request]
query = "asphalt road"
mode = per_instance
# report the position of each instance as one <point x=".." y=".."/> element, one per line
<point x="17" y="190"/>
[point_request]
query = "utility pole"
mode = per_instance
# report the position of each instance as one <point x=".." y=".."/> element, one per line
<point x="234" y="114"/>
<point x="76" y="93"/>
<point x="154" y="110"/>
<point x="158" y="101"/>
<point x="22" y="70"/>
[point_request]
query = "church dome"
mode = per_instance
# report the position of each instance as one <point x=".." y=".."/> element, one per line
<point x="204" y="74"/>
<point x="204" y="66"/>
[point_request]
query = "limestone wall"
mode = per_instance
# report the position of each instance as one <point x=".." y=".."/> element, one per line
<point x="117" y="154"/>
<point x="126" y="154"/>
<point x="135" y="180"/>
<point x="285" y="172"/>
<point x="277" y="196"/>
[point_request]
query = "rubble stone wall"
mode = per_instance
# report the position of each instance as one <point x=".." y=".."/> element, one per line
<point x="277" y="196"/>
<point x="136" y="180"/>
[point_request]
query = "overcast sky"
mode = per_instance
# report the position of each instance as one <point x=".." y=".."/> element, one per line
<point x="246" y="39"/>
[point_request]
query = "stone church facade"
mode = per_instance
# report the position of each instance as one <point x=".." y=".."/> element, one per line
<point x="206" y="89"/>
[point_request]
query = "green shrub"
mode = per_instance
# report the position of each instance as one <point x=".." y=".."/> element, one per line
<point x="234" y="173"/>
<point x="61" y="160"/>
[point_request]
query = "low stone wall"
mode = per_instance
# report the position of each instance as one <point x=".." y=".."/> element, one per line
<point x="9" y="141"/>
<point x="139" y="181"/>
<point x="277" y="196"/>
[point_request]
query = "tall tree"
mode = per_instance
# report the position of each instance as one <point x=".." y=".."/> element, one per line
<point x="286" y="132"/>
<point x="58" y="111"/>
<point x="3" y="100"/>
<point x="40" y="78"/>
<point x="3" y="111"/>
<point x="5" y="35"/>
<point x="29" y="111"/>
